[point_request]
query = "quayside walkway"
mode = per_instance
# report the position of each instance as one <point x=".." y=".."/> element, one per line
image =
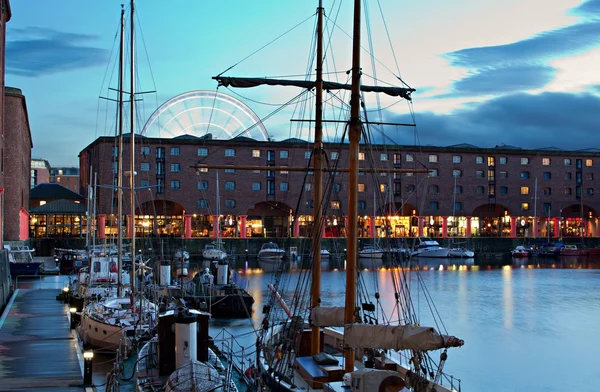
<point x="38" y="352"/>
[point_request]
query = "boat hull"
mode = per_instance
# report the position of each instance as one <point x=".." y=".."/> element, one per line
<point x="102" y="335"/>
<point x="24" y="268"/>
<point x="433" y="253"/>
<point x="461" y="253"/>
<point x="370" y="255"/>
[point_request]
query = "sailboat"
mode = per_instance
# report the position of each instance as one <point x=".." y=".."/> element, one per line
<point x="302" y="350"/>
<point x="214" y="251"/>
<point x="118" y="321"/>
<point x="457" y="251"/>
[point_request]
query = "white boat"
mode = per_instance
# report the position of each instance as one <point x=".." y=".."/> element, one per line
<point x="117" y="323"/>
<point x="270" y="252"/>
<point x="461" y="252"/>
<point x="370" y="252"/>
<point x="426" y="247"/>
<point x="213" y="252"/>
<point x="324" y="254"/>
<point x="180" y="263"/>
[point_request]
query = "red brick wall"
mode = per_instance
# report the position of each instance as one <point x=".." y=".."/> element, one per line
<point x="17" y="161"/>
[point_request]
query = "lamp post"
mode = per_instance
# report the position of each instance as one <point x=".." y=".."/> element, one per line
<point x="73" y="319"/>
<point x="66" y="295"/>
<point x="88" y="359"/>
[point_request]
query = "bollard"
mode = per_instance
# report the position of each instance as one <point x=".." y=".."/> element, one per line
<point x="65" y="295"/>
<point x="73" y="318"/>
<point x="88" y="359"/>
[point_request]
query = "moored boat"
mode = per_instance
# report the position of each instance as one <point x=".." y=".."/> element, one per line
<point x="426" y="247"/>
<point x="21" y="261"/>
<point x="270" y="252"/>
<point x="520" y="251"/>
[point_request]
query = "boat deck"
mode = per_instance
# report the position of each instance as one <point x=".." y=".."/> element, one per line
<point x="37" y="349"/>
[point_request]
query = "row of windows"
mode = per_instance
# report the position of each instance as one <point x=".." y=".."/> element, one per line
<point x="503" y="190"/>
<point x="384" y="156"/>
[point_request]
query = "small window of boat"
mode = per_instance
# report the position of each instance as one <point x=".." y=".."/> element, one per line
<point x="97" y="266"/>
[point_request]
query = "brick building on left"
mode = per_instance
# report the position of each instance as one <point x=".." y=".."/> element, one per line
<point x="15" y="151"/>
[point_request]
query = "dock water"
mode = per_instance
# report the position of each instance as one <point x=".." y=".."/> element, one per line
<point x="38" y="351"/>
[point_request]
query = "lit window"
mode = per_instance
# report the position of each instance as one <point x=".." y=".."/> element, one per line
<point x="456" y="159"/>
<point x="255" y="153"/>
<point x="203" y="169"/>
<point x="546" y="161"/>
<point x="589" y="162"/>
<point x="361" y="187"/>
<point x="361" y="156"/>
<point x="491" y="161"/>
<point x="433" y="158"/>
<point x="524" y="190"/>
<point x="382" y="187"/>
<point x="524" y="206"/>
<point x="335" y="204"/>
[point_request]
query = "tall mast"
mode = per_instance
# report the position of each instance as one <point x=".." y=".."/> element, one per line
<point x="120" y="153"/>
<point x="132" y="151"/>
<point x="318" y="178"/>
<point x="535" y="226"/>
<point x="354" y="136"/>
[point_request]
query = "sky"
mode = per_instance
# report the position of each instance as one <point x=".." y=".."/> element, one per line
<point x="524" y="73"/>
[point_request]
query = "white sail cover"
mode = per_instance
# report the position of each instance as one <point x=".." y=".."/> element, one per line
<point x="397" y="337"/>
<point x="327" y="317"/>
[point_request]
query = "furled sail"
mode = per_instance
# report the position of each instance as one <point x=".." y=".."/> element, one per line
<point x="328" y="317"/>
<point x="227" y="81"/>
<point x="397" y="337"/>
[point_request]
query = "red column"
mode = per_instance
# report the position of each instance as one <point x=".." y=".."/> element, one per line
<point x="513" y="226"/>
<point x="346" y="226"/>
<point x="556" y="233"/>
<point x="324" y="227"/>
<point x="188" y="226"/>
<point x="534" y="234"/>
<point x="468" y="228"/>
<point x="216" y="224"/>
<point x="444" y="227"/>
<point x="372" y="223"/>
<point x="421" y="226"/>
<point x="296" y="227"/>
<point x="102" y="226"/>
<point x="243" y="226"/>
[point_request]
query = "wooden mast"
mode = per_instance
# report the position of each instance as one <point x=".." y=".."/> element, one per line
<point x="354" y="136"/>
<point x="132" y="149"/>
<point x="120" y="154"/>
<point x="318" y="178"/>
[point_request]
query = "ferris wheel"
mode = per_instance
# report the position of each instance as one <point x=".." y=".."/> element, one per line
<point x="201" y="112"/>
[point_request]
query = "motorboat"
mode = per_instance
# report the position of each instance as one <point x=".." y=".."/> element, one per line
<point x="370" y="252"/>
<point x="461" y="252"/>
<point x="426" y="247"/>
<point x="213" y="251"/>
<point x="21" y="260"/>
<point x="521" y="251"/>
<point x="573" y="250"/>
<point x="270" y="251"/>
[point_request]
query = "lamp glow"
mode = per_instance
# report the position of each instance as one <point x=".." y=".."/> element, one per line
<point x="73" y="310"/>
<point x="88" y="355"/>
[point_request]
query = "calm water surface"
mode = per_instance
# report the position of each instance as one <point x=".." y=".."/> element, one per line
<point x="526" y="328"/>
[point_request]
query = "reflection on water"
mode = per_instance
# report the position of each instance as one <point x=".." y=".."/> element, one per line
<point x="520" y="319"/>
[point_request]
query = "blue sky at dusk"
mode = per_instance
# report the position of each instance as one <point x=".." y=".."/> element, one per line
<point x="487" y="72"/>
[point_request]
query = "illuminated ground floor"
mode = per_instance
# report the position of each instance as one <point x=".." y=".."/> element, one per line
<point x="248" y="226"/>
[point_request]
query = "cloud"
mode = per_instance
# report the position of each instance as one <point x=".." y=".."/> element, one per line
<point x="542" y="47"/>
<point x="524" y="120"/>
<point x="502" y="80"/>
<point x="36" y="51"/>
<point x="590" y="8"/>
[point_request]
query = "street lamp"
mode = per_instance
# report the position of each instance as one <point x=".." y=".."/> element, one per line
<point x="88" y="360"/>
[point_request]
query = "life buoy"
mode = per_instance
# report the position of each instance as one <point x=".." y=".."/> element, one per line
<point x="249" y="373"/>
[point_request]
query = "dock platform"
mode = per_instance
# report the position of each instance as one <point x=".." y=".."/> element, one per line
<point x="37" y="349"/>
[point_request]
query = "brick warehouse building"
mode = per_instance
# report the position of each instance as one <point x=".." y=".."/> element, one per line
<point x="495" y="189"/>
